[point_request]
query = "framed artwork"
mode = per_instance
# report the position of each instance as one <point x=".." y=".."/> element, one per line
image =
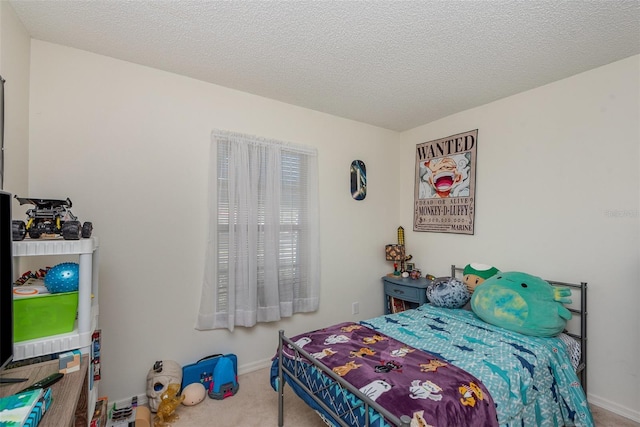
<point x="410" y="266"/>
<point x="445" y="184"/>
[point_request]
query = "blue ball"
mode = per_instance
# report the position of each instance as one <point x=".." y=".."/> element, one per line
<point x="63" y="277"/>
<point x="448" y="292"/>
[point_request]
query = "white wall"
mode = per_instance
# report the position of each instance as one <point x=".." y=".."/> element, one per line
<point x="14" y="68"/>
<point x="557" y="195"/>
<point x="130" y="145"/>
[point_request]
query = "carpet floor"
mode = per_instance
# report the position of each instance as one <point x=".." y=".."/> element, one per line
<point x="256" y="404"/>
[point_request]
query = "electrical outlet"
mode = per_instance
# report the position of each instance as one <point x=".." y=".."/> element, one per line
<point x="355" y="308"/>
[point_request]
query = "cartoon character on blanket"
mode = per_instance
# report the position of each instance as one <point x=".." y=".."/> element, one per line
<point x="402" y="379"/>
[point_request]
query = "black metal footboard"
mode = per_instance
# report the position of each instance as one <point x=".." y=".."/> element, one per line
<point x="301" y="361"/>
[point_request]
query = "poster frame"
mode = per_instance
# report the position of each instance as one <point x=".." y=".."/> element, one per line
<point x="445" y="184"/>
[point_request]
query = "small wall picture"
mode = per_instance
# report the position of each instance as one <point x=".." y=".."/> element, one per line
<point x="410" y="266"/>
<point x="358" y="172"/>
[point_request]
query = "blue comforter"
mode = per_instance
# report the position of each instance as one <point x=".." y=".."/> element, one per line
<point x="531" y="379"/>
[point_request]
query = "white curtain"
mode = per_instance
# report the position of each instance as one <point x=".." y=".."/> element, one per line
<point x="262" y="258"/>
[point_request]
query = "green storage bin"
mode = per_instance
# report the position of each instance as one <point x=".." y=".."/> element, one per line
<point x="44" y="315"/>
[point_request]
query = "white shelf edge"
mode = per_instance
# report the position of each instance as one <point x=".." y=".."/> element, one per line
<point x="41" y="247"/>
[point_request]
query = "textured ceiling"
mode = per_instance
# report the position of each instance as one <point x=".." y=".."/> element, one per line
<point x="393" y="64"/>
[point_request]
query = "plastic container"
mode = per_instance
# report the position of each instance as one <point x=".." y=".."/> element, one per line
<point x="44" y="315"/>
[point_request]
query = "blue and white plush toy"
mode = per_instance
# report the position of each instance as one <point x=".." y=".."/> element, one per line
<point x="523" y="303"/>
<point x="448" y="292"/>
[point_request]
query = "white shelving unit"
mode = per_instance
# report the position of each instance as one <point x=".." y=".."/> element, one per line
<point x="87" y="320"/>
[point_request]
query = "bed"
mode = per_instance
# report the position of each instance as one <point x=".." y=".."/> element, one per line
<point x="433" y="366"/>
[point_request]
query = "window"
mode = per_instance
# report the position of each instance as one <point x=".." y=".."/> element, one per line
<point x="263" y="254"/>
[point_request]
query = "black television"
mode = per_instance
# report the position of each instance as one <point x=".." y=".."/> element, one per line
<point x="6" y="286"/>
<point x="6" y="281"/>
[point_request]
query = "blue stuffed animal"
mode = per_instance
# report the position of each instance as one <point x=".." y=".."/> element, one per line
<point x="523" y="303"/>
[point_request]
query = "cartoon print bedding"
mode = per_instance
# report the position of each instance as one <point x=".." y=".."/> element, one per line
<point x="528" y="380"/>
<point x="400" y="378"/>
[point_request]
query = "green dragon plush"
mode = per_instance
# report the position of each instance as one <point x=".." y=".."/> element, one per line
<point x="523" y="303"/>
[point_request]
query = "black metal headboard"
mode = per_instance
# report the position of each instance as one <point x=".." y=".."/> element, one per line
<point x="578" y="309"/>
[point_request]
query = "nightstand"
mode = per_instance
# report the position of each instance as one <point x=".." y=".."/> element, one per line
<point x="408" y="292"/>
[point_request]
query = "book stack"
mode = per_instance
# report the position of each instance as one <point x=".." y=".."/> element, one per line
<point x="25" y="408"/>
<point x="397" y="305"/>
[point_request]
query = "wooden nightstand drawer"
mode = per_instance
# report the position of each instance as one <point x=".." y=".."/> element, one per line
<point x="403" y="292"/>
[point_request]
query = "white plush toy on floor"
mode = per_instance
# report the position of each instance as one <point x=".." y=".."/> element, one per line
<point x="193" y="394"/>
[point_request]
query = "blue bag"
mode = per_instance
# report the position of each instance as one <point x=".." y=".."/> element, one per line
<point x="218" y="374"/>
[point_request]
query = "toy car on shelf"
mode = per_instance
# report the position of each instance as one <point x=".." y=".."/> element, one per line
<point x="50" y="218"/>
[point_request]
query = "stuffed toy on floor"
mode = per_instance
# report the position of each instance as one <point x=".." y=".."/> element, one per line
<point x="169" y="401"/>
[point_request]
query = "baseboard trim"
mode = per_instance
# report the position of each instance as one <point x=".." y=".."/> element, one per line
<point x="610" y="406"/>
<point x="254" y="366"/>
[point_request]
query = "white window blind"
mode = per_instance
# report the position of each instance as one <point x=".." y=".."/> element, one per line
<point x="262" y="259"/>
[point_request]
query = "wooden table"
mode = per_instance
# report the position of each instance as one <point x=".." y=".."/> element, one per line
<point x="69" y="396"/>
